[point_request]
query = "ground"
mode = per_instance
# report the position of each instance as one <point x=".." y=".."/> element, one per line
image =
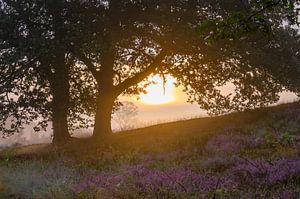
<point x="254" y="154"/>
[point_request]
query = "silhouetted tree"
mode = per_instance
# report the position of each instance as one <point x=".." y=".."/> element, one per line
<point x="204" y="44"/>
<point x="36" y="69"/>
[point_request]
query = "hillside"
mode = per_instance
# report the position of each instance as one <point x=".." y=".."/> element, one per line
<point x="254" y="154"/>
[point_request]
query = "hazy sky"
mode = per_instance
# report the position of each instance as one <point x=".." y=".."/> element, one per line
<point x="173" y="104"/>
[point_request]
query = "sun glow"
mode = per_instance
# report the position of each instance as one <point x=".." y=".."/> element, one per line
<point x="159" y="93"/>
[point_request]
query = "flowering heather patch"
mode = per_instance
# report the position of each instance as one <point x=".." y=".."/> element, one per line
<point x="56" y="171"/>
<point x="243" y="175"/>
<point x="231" y="142"/>
<point x="161" y="183"/>
<point x="263" y="173"/>
<point x="287" y="193"/>
<point x="174" y="179"/>
<point x="101" y="180"/>
<point x="217" y="163"/>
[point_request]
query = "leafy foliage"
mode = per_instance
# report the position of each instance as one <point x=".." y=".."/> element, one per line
<point x="39" y="76"/>
<point x="264" y="16"/>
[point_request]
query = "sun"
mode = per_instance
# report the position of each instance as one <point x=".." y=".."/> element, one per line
<point x="159" y="93"/>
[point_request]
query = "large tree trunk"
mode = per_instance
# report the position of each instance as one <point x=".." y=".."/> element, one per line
<point x="106" y="91"/>
<point x="104" y="110"/>
<point x="60" y="103"/>
<point x="59" y="83"/>
<point x="60" y="124"/>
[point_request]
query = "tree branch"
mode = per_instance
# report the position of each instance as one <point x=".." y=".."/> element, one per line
<point x="263" y="9"/>
<point x="85" y="60"/>
<point x="156" y="64"/>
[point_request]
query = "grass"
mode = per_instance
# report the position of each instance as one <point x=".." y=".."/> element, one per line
<point x="254" y="154"/>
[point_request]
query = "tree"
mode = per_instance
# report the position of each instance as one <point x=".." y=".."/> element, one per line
<point x="36" y="68"/>
<point x="129" y="40"/>
<point x="125" y="115"/>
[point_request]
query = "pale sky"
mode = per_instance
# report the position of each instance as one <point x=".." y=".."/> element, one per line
<point x="173" y="104"/>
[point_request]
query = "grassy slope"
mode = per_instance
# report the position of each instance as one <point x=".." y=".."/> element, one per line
<point x="160" y="137"/>
<point x="186" y="139"/>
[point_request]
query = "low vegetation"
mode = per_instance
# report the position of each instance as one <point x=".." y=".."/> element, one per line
<point x="253" y="154"/>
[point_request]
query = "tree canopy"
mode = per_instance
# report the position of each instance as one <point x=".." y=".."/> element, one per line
<point x="36" y="68"/>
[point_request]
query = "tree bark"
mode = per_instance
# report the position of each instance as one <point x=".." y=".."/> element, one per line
<point x="104" y="111"/>
<point x="60" y="89"/>
<point x="60" y="84"/>
<point x="60" y="126"/>
<point x="106" y="97"/>
<point x="60" y="105"/>
<point x="106" y="89"/>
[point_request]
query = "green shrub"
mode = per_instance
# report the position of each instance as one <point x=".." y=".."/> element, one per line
<point x="288" y="138"/>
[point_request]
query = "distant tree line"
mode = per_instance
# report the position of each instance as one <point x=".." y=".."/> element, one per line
<point x="67" y="61"/>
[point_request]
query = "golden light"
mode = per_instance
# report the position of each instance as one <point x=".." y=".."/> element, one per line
<point x="159" y="93"/>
